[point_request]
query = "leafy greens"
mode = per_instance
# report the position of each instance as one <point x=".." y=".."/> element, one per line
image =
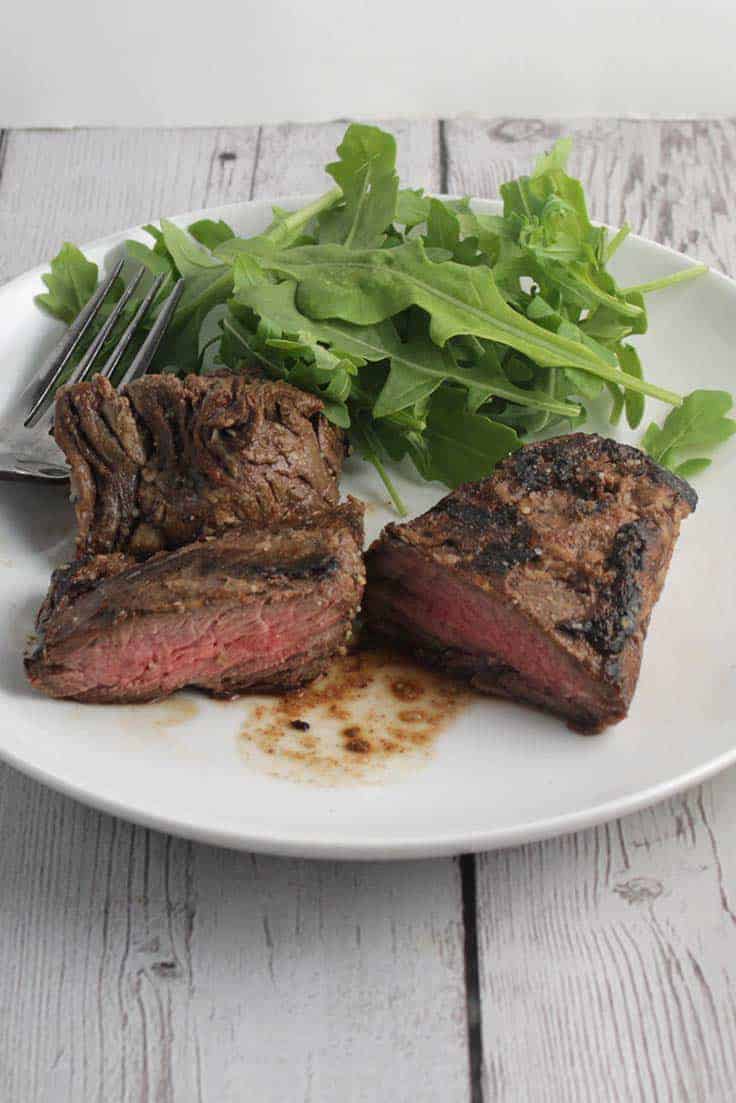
<point x="698" y="425"/>
<point x="431" y="332"/>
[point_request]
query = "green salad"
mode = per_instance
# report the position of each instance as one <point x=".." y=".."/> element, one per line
<point x="430" y="331"/>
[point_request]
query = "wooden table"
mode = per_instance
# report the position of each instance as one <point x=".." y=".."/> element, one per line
<point x="134" y="966"/>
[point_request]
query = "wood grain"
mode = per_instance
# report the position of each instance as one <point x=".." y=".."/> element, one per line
<point x="607" y="957"/>
<point x="79" y="185"/>
<point x="135" y="966"/>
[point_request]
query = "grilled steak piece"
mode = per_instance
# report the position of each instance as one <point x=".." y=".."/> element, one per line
<point x="169" y="460"/>
<point x="538" y="582"/>
<point x="241" y="611"/>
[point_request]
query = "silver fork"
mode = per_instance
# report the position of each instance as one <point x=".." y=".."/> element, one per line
<point x="29" y="451"/>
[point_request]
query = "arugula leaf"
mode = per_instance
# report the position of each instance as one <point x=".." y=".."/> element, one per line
<point x="286" y="229"/>
<point x="368" y="286"/>
<point x="190" y="258"/>
<point x="157" y="263"/>
<point x="276" y="303"/>
<point x="555" y="161"/>
<point x="462" y="447"/>
<point x="159" y="245"/>
<point x="412" y="207"/>
<point x="210" y="233"/>
<point x="487" y="229"/>
<point x="240" y="344"/>
<point x="689" y="468"/>
<point x="700" y="423"/>
<point x="366" y="175"/>
<point x="326" y="375"/>
<point x="617" y="403"/>
<point x="208" y="281"/>
<point x="71" y="283"/>
<point x="418" y="366"/>
<point x="210" y="335"/>
<point x="634" y="403"/>
<point x="287" y="226"/>
<point x="443" y="227"/>
<point x="305" y="363"/>
<point x="200" y="294"/>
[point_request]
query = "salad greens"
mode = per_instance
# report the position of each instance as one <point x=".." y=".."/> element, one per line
<point x="699" y="424"/>
<point x="431" y="331"/>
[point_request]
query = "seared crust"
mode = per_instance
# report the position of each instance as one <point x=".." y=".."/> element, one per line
<point x="575" y="535"/>
<point x="240" y="572"/>
<point x="168" y="460"/>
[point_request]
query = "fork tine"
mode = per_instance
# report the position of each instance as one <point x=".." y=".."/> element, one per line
<point x="86" y="365"/>
<point x="117" y="353"/>
<point x="59" y="358"/>
<point x="147" y="351"/>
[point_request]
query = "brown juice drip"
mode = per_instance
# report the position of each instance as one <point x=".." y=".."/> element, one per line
<point x="374" y="715"/>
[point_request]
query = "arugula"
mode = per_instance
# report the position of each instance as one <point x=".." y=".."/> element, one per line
<point x="412" y="208"/>
<point x="210" y="233"/>
<point x="366" y="175"/>
<point x="417" y="365"/>
<point x="633" y="400"/>
<point x="71" y="282"/>
<point x="462" y="446"/>
<point x="369" y="286"/>
<point x="190" y="258"/>
<point x="431" y="332"/>
<point x="699" y="424"/>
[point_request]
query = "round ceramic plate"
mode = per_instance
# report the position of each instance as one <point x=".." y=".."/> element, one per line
<point x="496" y="773"/>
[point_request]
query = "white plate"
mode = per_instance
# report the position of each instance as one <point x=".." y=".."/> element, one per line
<point x="499" y="773"/>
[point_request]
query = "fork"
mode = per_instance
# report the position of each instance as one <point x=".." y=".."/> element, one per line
<point x="30" y="451"/>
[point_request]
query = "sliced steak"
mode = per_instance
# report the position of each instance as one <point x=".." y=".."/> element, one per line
<point x="538" y="582"/>
<point x="241" y="611"/>
<point x="169" y="460"/>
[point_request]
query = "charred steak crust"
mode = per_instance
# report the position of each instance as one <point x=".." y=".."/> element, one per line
<point x="537" y="582"/>
<point x="240" y="611"/>
<point x="504" y="538"/>
<point x="169" y="460"/>
<point x="620" y="601"/>
<point x="570" y="463"/>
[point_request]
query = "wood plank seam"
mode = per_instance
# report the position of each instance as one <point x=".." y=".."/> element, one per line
<point x="444" y="155"/>
<point x="3" y="150"/>
<point x="468" y="876"/>
<point x="256" y="162"/>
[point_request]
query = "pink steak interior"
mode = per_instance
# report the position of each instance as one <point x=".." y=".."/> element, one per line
<point x="144" y="657"/>
<point x="435" y="607"/>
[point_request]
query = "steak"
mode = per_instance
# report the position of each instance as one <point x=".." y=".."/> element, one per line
<point x="169" y="460"/>
<point x="538" y="582"/>
<point x="244" y="610"/>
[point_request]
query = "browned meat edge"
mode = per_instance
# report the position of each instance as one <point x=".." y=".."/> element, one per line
<point x="567" y="544"/>
<point x="169" y="460"/>
<point x="283" y="600"/>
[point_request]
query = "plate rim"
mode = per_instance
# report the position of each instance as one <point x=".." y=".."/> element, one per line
<point x="371" y="847"/>
<point x="378" y="848"/>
